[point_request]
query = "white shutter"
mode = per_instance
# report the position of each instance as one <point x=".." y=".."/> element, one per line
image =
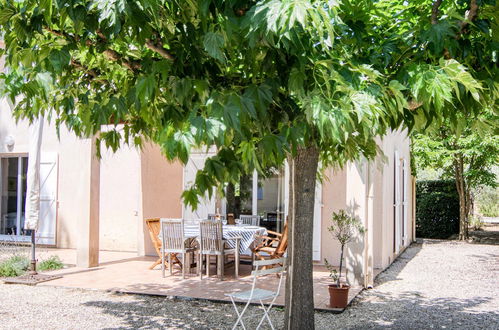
<point x="206" y="205"/>
<point x="48" y="199"/>
<point x="397" y="203"/>
<point x="404" y="200"/>
<point x="316" y="246"/>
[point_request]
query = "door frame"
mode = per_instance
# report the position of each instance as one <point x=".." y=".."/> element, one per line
<point x="18" y="237"/>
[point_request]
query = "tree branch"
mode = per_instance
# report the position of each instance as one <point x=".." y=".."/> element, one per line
<point x="470" y="16"/>
<point x="109" y="53"/>
<point x="158" y="48"/>
<point x="78" y="65"/>
<point x="114" y="56"/>
<point x="435" y="11"/>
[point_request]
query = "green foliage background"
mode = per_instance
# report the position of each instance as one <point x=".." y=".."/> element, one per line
<point x="437" y="209"/>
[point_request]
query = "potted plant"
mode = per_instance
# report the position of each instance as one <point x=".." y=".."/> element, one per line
<point x="343" y="228"/>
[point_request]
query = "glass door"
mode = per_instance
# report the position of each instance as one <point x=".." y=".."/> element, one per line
<point x="270" y="200"/>
<point x="260" y="195"/>
<point x="13" y="172"/>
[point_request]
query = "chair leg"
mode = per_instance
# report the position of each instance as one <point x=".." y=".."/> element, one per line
<point x="170" y="263"/>
<point x="265" y="316"/>
<point x="208" y="265"/>
<point x="239" y="315"/>
<point x="163" y="264"/>
<point x="220" y="266"/>
<point x="237" y="264"/>
<point x="183" y="265"/>
<point x="157" y="262"/>
<point x="200" y="266"/>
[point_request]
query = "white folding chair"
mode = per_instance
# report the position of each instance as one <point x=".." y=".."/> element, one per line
<point x="252" y="220"/>
<point x="256" y="294"/>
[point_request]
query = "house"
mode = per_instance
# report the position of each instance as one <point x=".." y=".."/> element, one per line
<point x="91" y="204"/>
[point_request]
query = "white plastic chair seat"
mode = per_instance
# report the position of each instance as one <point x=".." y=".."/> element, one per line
<point x="258" y="294"/>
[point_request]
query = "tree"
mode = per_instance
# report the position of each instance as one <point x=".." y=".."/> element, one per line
<point x="468" y="158"/>
<point x="261" y="81"/>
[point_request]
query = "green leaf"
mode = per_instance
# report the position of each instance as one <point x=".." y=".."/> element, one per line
<point x="213" y="44"/>
<point x="59" y="59"/>
<point x="5" y="14"/>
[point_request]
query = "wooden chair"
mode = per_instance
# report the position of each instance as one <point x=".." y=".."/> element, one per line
<point x="252" y="220"/>
<point x="211" y="242"/>
<point x="154" y="227"/>
<point x="174" y="241"/>
<point x="272" y="246"/>
<point x="214" y="217"/>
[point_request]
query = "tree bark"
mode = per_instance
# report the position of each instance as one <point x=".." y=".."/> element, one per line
<point x="299" y="311"/>
<point x="463" y="193"/>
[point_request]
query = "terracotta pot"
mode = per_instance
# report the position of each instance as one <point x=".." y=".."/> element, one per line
<point x="338" y="296"/>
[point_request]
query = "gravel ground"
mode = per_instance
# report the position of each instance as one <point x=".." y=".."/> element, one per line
<point x="436" y="284"/>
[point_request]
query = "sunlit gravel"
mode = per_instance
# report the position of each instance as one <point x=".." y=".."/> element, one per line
<point x="434" y="284"/>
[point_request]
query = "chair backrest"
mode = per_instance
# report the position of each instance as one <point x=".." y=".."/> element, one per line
<point x="281" y="262"/>
<point x="154" y="230"/>
<point x="283" y="242"/>
<point x="172" y="234"/>
<point x="278" y="266"/>
<point x="252" y="220"/>
<point x="214" y="217"/>
<point x="210" y="237"/>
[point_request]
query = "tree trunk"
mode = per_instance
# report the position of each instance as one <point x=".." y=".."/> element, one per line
<point x="463" y="193"/>
<point x="338" y="282"/>
<point x="299" y="311"/>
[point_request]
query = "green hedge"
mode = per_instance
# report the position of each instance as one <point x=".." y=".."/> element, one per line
<point x="437" y="209"/>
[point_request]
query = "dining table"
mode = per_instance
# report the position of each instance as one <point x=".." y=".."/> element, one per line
<point x="246" y="233"/>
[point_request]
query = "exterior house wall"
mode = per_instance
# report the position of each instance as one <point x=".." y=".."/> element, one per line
<point x="72" y="180"/>
<point x="348" y="189"/>
<point x="120" y="197"/>
<point x="334" y="198"/>
<point x="162" y="185"/>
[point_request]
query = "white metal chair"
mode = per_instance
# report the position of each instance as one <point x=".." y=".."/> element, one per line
<point x="173" y="241"/>
<point x="256" y="294"/>
<point x="252" y="220"/>
<point x="211" y="242"/>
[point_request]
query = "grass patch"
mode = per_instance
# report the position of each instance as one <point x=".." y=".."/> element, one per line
<point x="52" y="263"/>
<point x="14" y="266"/>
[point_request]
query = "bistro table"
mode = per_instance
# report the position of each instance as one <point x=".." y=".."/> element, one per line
<point x="246" y="233"/>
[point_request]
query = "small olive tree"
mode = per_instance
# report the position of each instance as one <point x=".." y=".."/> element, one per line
<point x="343" y="228"/>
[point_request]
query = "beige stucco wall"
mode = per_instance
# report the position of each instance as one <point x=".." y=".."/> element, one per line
<point x="395" y="141"/>
<point x="73" y="181"/>
<point x="120" y="199"/>
<point x="162" y="185"/>
<point x="346" y="188"/>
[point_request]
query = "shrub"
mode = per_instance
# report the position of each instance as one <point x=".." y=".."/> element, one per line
<point x="437" y="209"/>
<point x="14" y="266"/>
<point x="52" y="263"/>
<point x="487" y="202"/>
<point x="476" y="222"/>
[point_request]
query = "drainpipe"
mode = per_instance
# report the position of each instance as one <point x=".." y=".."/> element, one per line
<point x="369" y="232"/>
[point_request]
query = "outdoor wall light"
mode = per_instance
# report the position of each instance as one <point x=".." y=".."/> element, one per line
<point x="9" y="141"/>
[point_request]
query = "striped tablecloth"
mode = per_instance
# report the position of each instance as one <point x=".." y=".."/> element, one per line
<point x="247" y="234"/>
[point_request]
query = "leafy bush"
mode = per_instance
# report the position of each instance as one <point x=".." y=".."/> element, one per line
<point x="14" y="266"/>
<point x="51" y="263"/>
<point x="437" y="209"/>
<point x="487" y="201"/>
<point x="476" y="222"/>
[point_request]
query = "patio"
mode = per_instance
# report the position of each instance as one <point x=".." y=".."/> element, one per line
<point x="125" y="272"/>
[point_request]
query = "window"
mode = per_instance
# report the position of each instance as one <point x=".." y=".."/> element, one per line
<point x="13" y="172"/>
